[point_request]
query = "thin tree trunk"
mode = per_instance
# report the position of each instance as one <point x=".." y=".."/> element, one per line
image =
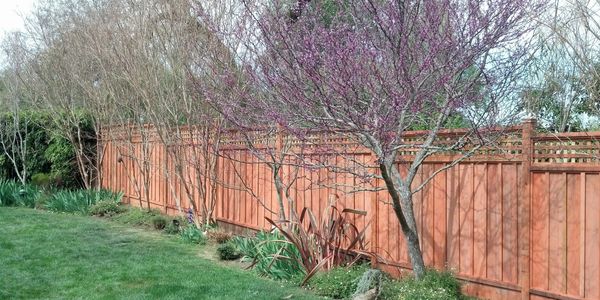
<point x="279" y="187"/>
<point x="402" y="202"/>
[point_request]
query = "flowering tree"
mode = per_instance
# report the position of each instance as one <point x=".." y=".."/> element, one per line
<point x="373" y="70"/>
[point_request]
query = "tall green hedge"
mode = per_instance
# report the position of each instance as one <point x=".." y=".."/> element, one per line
<point x="50" y="156"/>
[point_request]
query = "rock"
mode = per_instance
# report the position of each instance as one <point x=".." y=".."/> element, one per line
<point x="369" y="295"/>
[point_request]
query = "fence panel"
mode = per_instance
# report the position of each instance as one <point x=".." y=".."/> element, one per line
<point x="519" y="222"/>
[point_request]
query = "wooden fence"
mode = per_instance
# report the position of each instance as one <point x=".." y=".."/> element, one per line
<point x="519" y="222"/>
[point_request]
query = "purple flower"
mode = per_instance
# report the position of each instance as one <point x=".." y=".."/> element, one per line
<point x="190" y="216"/>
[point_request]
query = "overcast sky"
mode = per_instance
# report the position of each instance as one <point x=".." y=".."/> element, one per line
<point x="10" y="14"/>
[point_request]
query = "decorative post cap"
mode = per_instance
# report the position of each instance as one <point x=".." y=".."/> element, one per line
<point x="529" y="119"/>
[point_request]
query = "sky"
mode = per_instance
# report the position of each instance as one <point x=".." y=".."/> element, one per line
<point x="10" y="14"/>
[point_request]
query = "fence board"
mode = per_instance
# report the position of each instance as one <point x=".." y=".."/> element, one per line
<point x="592" y="236"/>
<point x="539" y="230"/>
<point x="573" y="207"/>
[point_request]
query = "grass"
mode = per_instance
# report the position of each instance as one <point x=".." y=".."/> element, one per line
<point x="47" y="255"/>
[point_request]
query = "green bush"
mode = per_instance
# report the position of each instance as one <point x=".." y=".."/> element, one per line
<point x="106" y="208"/>
<point x="137" y="217"/>
<point x="80" y="201"/>
<point x="433" y="286"/>
<point x="271" y="255"/>
<point x="48" y="151"/>
<point x="228" y="251"/>
<point x="159" y="222"/>
<point x="173" y="228"/>
<point x="337" y="283"/>
<point x="41" y="180"/>
<point x="194" y="235"/>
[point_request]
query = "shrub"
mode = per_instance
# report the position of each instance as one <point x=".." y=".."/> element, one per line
<point x="172" y="228"/>
<point x="41" y="180"/>
<point x="106" y="208"/>
<point x="47" y="181"/>
<point x="137" y="217"/>
<point x="192" y="234"/>
<point x="80" y="201"/>
<point x="219" y="236"/>
<point x="159" y="222"/>
<point x="433" y="286"/>
<point x="228" y="251"/>
<point x="337" y="283"/>
<point x="271" y="255"/>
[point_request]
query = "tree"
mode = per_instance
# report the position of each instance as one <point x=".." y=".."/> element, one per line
<point x="14" y="140"/>
<point x="56" y="77"/>
<point x="125" y="63"/>
<point x="565" y="92"/>
<point x="371" y="70"/>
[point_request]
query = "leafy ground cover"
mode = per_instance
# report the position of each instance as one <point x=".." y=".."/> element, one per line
<point x="52" y="255"/>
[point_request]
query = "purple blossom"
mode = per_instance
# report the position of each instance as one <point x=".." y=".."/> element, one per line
<point x="190" y="216"/>
<point x="373" y="70"/>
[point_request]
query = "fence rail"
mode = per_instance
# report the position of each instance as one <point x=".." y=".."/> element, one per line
<point x="518" y="221"/>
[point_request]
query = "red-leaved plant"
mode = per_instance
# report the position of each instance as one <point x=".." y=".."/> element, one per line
<point x="333" y="241"/>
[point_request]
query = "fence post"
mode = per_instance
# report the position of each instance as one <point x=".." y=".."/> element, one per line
<point x="528" y="132"/>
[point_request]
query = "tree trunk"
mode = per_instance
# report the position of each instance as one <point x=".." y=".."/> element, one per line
<point x="279" y="188"/>
<point x="403" y="207"/>
<point x="411" y="234"/>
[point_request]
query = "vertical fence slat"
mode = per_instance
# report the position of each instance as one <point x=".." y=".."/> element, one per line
<point x="439" y="207"/>
<point x="510" y="223"/>
<point x="539" y="231"/>
<point x="480" y="221"/>
<point x="573" y="207"/>
<point x="494" y="225"/>
<point x="592" y="237"/>
<point x="557" y="241"/>
<point x="453" y="218"/>
<point x="466" y="219"/>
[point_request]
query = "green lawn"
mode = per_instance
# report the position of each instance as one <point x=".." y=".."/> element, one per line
<point x="49" y="256"/>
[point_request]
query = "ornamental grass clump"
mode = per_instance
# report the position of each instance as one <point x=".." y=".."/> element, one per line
<point x="80" y="201"/>
<point x="270" y="255"/>
<point x="13" y="193"/>
<point x="330" y="242"/>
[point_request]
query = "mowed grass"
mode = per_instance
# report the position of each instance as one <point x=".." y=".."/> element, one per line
<point x="47" y="256"/>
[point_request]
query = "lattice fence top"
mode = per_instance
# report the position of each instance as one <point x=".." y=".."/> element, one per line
<point x="567" y="148"/>
<point x="493" y="145"/>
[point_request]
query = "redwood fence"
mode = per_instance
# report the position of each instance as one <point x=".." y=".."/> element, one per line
<point x="521" y="221"/>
